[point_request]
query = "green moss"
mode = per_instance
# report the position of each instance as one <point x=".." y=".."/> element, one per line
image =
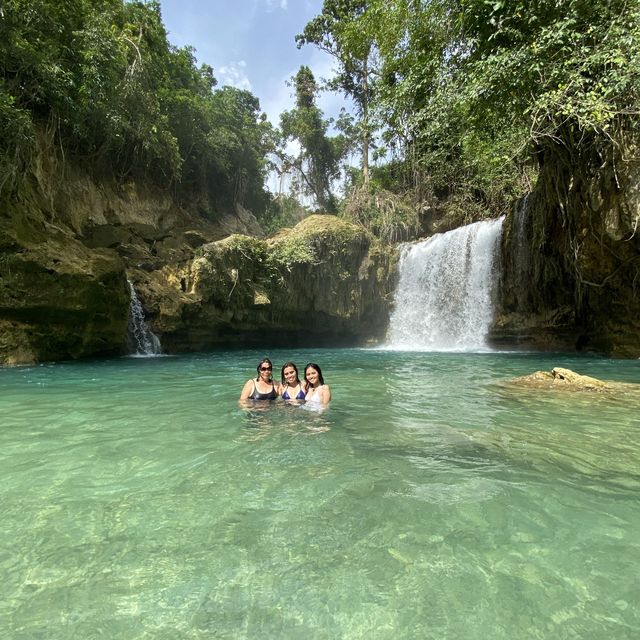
<point x="293" y="250"/>
<point x="239" y="245"/>
<point x="315" y="239"/>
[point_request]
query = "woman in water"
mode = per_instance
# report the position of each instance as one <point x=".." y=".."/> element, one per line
<point x="317" y="391"/>
<point x="291" y="387"/>
<point x="263" y="387"/>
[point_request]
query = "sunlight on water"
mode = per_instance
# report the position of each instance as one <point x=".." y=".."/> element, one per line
<point x="431" y="500"/>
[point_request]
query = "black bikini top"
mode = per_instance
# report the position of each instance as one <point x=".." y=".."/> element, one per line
<point x="256" y="395"/>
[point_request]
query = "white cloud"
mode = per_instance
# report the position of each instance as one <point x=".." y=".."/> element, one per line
<point x="271" y="4"/>
<point x="234" y="74"/>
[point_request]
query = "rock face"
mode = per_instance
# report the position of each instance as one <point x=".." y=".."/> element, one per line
<point x="571" y="259"/>
<point x="321" y="282"/>
<point x="68" y="244"/>
<point x="58" y="299"/>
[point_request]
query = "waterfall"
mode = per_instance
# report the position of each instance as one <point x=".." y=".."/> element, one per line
<point x="443" y="300"/>
<point x="141" y="341"/>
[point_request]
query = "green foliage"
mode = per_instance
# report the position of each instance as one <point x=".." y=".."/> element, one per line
<point x="316" y="238"/>
<point x="467" y="93"/>
<point x="568" y="67"/>
<point x="16" y="139"/>
<point x="291" y="250"/>
<point x="252" y="249"/>
<point x="103" y="78"/>
<point x="388" y="216"/>
<point x="281" y="212"/>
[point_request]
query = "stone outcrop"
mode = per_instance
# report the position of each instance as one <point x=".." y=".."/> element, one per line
<point x="571" y="257"/>
<point x="58" y="299"/>
<point x="322" y="282"/>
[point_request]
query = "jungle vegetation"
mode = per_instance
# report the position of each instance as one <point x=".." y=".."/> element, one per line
<point x="100" y="81"/>
<point x="466" y="98"/>
<point x="456" y="102"/>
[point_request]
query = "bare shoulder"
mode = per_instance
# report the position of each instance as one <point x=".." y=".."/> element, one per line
<point x="247" y="389"/>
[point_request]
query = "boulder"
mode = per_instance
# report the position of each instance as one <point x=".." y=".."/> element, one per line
<point x="559" y="378"/>
<point x="323" y="282"/>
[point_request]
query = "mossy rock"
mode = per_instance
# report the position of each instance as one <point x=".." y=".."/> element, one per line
<point x="568" y="380"/>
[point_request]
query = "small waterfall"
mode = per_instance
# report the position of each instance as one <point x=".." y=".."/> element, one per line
<point x="141" y="341"/>
<point x="522" y="230"/>
<point x="443" y="301"/>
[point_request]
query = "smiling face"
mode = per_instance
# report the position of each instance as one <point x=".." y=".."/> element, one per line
<point x="312" y="376"/>
<point x="290" y="375"/>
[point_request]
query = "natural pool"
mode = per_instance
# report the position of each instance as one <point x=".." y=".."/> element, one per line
<point x="138" y="500"/>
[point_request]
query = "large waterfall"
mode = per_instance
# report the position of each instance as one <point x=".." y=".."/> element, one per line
<point x="443" y="301"/>
<point x="141" y="341"/>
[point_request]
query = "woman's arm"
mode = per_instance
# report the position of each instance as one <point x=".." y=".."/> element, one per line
<point x="247" y="390"/>
<point x="325" y="394"/>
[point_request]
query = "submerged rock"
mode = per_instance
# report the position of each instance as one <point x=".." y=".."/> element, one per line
<point x="559" y="378"/>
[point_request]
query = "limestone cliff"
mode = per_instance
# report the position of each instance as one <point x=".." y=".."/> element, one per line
<point x="571" y="258"/>
<point x="69" y="242"/>
<point x="322" y="282"/>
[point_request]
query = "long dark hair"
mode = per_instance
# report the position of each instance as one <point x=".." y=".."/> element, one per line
<point x="264" y="361"/>
<point x="284" y="366"/>
<point x="313" y="365"/>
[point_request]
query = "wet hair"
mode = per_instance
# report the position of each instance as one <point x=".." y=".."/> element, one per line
<point x="313" y="365"/>
<point x="263" y="361"/>
<point x="284" y="366"/>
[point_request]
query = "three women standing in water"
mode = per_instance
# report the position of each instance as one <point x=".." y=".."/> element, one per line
<point x="312" y="388"/>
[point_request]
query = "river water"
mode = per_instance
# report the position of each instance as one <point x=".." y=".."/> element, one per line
<point x="430" y="500"/>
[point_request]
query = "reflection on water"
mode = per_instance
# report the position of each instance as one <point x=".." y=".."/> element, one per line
<point x="293" y="418"/>
<point x="139" y="500"/>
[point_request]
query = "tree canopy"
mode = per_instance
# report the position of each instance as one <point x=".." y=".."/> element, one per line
<point x="466" y="92"/>
<point x="102" y="81"/>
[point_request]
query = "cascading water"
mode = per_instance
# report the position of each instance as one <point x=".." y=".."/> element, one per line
<point x="141" y="341"/>
<point x="443" y="301"/>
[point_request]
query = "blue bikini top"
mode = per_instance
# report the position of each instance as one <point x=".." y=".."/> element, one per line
<point x="300" y="396"/>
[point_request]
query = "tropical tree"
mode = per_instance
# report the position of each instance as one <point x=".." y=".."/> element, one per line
<point x="318" y="161"/>
<point x="477" y="85"/>
<point x="342" y="31"/>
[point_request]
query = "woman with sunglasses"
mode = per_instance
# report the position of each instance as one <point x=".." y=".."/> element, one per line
<point x="317" y="391"/>
<point x="291" y="388"/>
<point x="263" y="387"/>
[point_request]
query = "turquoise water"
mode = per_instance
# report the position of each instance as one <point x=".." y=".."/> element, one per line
<point x="139" y="500"/>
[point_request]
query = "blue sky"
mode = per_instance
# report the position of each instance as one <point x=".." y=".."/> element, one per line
<point x="251" y="45"/>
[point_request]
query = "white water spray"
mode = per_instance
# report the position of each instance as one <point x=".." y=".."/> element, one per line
<point x="140" y="339"/>
<point x="443" y="301"/>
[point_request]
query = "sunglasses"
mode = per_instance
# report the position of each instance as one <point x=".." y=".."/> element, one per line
<point x="266" y="368"/>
